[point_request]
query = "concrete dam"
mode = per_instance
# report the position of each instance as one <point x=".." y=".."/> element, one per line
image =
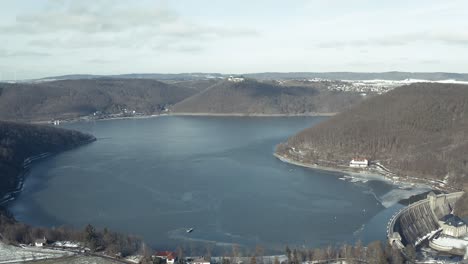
<point x="419" y="221"/>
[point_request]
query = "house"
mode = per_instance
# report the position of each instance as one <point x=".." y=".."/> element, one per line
<point x="169" y="256"/>
<point x="235" y="79"/>
<point x="453" y="225"/>
<point x="359" y="163"/>
<point x="201" y="260"/>
<point x="40" y="242"/>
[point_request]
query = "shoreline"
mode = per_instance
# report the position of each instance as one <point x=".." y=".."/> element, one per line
<point x="87" y="119"/>
<point x="395" y="180"/>
<point x="250" y="114"/>
<point x="408" y="188"/>
<point x="349" y="171"/>
<point x="11" y="195"/>
<point x="307" y="165"/>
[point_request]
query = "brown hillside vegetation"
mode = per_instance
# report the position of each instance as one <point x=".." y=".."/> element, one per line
<point x="252" y="97"/>
<point x="416" y="130"/>
<point x="72" y="98"/>
<point x="19" y="141"/>
<point x="197" y="85"/>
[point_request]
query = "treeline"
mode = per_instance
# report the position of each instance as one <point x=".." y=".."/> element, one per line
<point x="374" y="252"/>
<point x="20" y="141"/>
<point x="416" y="130"/>
<point x="72" y="98"/>
<point x="253" y="97"/>
<point x="121" y="245"/>
<point x="112" y="243"/>
<point x="393" y="75"/>
<point x="68" y="99"/>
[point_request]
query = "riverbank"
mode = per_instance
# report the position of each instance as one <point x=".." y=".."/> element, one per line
<point x="347" y="170"/>
<point x="9" y="195"/>
<point x="92" y="118"/>
<point x="251" y="114"/>
<point x="381" y="174"/>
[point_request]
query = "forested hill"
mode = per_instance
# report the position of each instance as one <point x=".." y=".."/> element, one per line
<point x="416" y="130"/>
<point x="72" y="98"/>
<point x="20" y="141"/>
<point x="253" y="97"/>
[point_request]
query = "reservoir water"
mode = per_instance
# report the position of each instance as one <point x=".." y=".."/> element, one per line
<point x="157" y="177"/>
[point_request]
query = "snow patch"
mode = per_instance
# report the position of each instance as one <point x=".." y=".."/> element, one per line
<point x="451" y="242"/>
<point x="396" y="195"/>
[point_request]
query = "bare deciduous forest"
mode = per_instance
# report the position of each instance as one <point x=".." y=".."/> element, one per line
<point x="253" y="97"/>
<point x="73" y="98"/>
<point x="416" y="130"/>
<point x="20" y="141"/>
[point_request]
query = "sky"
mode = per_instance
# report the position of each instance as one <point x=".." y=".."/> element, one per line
<point x="42" y="38"/>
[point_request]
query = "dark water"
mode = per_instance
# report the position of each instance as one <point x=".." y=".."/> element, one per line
<point x="156" y="177"/>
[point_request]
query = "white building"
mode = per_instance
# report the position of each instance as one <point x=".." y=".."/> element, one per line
<point x="201" y="260"/>
<point x="169" y="256"/>
<point x="359" y="163"/>
<point x="40" y="242"/>
<point x="453" y="225"/>
<point x="235" y="79"/>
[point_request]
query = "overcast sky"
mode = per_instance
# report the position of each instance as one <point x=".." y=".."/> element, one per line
<point x="54" y="37"/>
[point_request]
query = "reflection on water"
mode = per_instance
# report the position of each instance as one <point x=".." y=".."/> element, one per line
<point x="157" y="177"/>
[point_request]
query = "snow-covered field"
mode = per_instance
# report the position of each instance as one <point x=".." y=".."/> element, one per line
<point x="380" y="86"/>
<point x="77" y="260"/>
<point x="12" y="254"/>
<point x="67" y="244"/>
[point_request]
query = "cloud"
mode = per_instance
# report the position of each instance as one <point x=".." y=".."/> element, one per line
<point x="170" y="47"/>
<point x="11" y="54"/>
<point x="104" y="24"/>
<point x="108" y="17"/>
<point x="99" y="61"/>
<point x="89" y="21"/>
<point x="450" y="38"/>
<point x="430" y="61"/>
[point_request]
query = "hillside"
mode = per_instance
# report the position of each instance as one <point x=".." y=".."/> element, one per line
<point x="197" y="85"/>
<point x="154" y="76"/>
<point x="20" y="141"/>
<point x="72" y="98"/>
<point x="416" y="130"/>
<point x="393" y="75"/>
<point x="252" y="97"/>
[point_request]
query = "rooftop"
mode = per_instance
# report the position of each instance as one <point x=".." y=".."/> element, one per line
<point x="41" y="240"/>
<point x="166" y="254"/>
<point x="453" y="220"/>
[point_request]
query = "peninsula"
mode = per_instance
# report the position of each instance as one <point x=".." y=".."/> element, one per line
<point x="415" y="131"/>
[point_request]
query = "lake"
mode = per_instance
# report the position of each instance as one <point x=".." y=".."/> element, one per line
<point x="156" y="177"/>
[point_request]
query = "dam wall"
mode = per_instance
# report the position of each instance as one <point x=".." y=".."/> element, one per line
<point x="419" y="221"/>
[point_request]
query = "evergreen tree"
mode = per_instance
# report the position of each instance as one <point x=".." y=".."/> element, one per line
<point x="410" y="252"/>
<point x="295" y="257"/>
<point x="397" y="258"/>
<point x="253" y="260"/>
<point x="276" y="261"/>
<point x="91" y="237"/>
<point x="376" y="253"/>
<point x="288" y="254"/>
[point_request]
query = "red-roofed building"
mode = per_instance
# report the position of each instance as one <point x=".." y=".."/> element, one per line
<point x="169" y="256"/>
